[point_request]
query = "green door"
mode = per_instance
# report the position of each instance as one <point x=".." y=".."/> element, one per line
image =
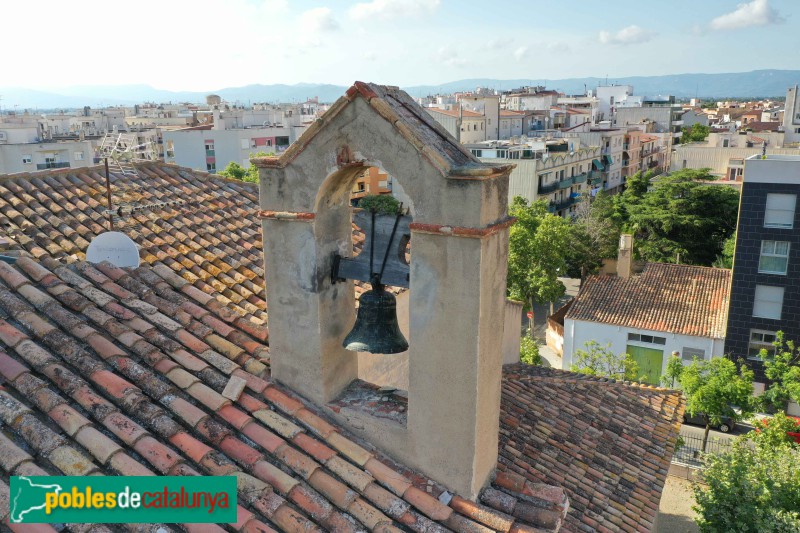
<point x="650" y="361"/>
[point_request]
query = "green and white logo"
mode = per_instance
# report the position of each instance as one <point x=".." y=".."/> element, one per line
<point x="112" y="499"/>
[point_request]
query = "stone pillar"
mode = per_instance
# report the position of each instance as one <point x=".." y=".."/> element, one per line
<point x="308" y="316"/>
<point x="457" y="321"/>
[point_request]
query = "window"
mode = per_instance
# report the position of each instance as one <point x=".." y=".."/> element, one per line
<point x="780" y="210"/>
<point x="768" y="302"/>
<point x="689" y="354"/>
<point x="649" y="339"/>
<point x="774" y="257"/>
<point x="211" y="167"/>
<point x="170" y="149"/>
<point x="209" y="148"/>
<point x="78" y="156"/>
<point x="760" y="340"/>
<point x="27" y="159"/>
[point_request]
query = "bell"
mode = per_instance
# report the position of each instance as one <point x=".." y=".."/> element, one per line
<point x="376" y="329"/>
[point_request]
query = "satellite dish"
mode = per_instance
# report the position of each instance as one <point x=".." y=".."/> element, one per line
<point x="114" y="247"/>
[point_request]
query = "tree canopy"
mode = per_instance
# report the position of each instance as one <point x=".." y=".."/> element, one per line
<point x="712" y="387"/>
<point x="694" y="133"/>
<point x="755" y="487"/>
<point x="238" y="172"/>
<point x="783" y="371"/>
<point x="678" y="217"/>
<point x="599" y="360"/>
<point x="538" y="244"/>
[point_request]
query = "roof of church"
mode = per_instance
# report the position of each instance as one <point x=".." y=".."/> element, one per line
<point x="121" y="371"/>
<point x="608" y="444"/>
<point x="115" y="371"/>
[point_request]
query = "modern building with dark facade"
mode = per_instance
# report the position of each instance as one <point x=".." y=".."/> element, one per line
<point x="765" y="289"/>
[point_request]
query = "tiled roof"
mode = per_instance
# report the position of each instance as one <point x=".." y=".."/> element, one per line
<point x="608" y="444"/>
<point x="762" y="126"/>
<point x="115" y="371"/>
<point x="211" y="238"/>
<point x="683" y="299"/>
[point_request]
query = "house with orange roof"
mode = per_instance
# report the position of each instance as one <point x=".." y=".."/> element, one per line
<point x="649" y="311"/>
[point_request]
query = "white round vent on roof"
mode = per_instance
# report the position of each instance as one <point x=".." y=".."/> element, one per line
<point x="114" y="247"/>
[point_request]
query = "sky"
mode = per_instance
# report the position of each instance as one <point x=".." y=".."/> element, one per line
<point x="201" y="45"/>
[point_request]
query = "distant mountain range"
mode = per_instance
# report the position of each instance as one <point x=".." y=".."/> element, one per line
<point x="758" y="83"/>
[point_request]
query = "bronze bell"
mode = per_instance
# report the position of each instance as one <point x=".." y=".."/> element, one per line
<point x="376" y="329"/>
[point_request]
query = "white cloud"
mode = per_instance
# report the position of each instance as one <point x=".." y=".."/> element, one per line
<point x="521" y="53"/>
<point x="755" y="13"/>
<point x="630" y="35"/>
<point x="499" y="44"/>
<point x="388" y="9"/>
<point x="319" y="19"/>
<point x="449" y="57"/>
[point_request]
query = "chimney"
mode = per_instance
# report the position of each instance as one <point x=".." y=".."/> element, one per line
<point x="625" y="256"/>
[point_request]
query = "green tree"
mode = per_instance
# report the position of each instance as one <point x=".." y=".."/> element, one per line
<point x="679" y="217"/>
<point x="238" y="172"/>
<point x="234" y="170"/>
<point x="694" y="133"/>
<point x="753" y="488"/>
<point x="529" y="351"/>
<point x="594" y="235"/>
<point x="672" y="375"/>
<point x="712" y="387"/>
<point x="783" y="371"/>
<point x="538" y="243"/>
<point x="725" y="259"/>
<point x="598" y="360"/>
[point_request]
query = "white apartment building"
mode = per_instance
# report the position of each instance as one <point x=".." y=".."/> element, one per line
<point x="212" y="149"/>
<point x="609" y="97"/>
<point x="533" y="101"/>
<point x="556" y="169"/>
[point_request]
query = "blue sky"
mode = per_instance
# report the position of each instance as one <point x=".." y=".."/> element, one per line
<point x="205" y="44"/>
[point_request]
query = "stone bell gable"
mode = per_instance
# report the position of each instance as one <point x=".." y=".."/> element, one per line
<point x="458" y="266"/>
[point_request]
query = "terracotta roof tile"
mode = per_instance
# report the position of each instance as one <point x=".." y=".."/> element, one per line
<point x="684" y="299"/>
<point x="120" y="371"/>
<point x="607" y="444"/>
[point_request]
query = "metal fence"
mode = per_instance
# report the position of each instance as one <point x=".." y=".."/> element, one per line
<point x="691" y="452"/>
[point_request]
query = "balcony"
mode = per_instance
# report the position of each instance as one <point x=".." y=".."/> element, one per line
<point x="596" y="181"/>
<point x="580" y="178"/>
<point x="563" y="204"/>
<point x="51" y="164"/>
<point x="547" y="189"/>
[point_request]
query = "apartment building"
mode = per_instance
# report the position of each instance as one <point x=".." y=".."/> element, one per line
<point x="609" y="165"/>
<point x="465" y="125"/>
<point x="25" y="147"/>
<point x="557" y="169"/>
<point x="209" y="149"/>
<point x="765" y="290"/>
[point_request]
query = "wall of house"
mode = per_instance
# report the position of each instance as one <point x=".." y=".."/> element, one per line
<point x="717" y="159"/>
<point x="578" y="332"/>
<point x="73" y="154"/>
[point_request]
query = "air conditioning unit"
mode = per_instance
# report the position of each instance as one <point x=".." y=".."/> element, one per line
<point x="3" y="136"/>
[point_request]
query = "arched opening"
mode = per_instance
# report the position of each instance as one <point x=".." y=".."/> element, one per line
<point x="340" y="194"/>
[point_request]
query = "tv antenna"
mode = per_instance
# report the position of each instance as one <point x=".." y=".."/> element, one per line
<point x="122" y="150"/>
